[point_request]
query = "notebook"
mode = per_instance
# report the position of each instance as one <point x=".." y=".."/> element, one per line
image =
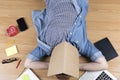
<point x="28" y="75"/>
<point x="105" y="46"/>
<point x="98" y="75"/>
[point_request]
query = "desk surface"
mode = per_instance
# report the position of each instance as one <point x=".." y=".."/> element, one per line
<point x="103" y="20"/>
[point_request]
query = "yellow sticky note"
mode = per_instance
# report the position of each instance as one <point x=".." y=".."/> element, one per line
<point x="25" y="77"/>
<point x="11" y="50"/>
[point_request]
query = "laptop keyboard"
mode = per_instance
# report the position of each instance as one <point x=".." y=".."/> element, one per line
<point x="103" y="76"/>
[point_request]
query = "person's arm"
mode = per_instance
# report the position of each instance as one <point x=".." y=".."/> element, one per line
<point x="35" y="64"/>
<point x="99" y="64"/>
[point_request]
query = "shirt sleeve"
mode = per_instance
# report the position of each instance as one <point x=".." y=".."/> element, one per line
<point x="37" y="54"/>
<point x="91" y="51"/>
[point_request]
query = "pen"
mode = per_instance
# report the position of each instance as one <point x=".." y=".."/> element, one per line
<point x="18" y="63"/>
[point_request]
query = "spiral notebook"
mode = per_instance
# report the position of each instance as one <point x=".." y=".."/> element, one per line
<point x="28" y="75"/>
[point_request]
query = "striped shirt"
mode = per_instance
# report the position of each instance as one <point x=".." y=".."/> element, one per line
<point x="61" y="15"/>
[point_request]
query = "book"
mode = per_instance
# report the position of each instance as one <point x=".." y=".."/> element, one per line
<point x="61" y="63"/>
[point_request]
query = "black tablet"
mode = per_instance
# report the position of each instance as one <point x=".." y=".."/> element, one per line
<point x="105" y="46"/>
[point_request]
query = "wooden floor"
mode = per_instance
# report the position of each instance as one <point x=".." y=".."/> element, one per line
<point x="103" y="20"/>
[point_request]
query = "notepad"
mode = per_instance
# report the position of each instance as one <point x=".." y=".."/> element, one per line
<point x="11" y="50"/>
<point x="28" y="75"/>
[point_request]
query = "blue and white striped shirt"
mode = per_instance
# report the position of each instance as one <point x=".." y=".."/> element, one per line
<point x="61" y="15"/>
<point x="75" y="32"/>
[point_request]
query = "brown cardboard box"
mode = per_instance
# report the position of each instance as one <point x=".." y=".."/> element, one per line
<point x="64" y="59"/>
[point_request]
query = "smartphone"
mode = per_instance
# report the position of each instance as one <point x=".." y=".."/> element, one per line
<point x="22" y="24"/>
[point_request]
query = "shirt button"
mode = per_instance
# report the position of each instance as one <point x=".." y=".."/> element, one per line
<point x="70" y="33"/>
<point x="80" y="16"/>
<point x="75" y="23"/>
<point x="77" y="41"/>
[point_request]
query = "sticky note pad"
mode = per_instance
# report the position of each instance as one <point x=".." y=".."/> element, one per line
<point x="25" y="77"/>
<point x="11" y="50"/>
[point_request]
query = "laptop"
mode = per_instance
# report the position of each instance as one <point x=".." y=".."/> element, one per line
<point x="97" y="75"/>
<point x="105" y="46"/>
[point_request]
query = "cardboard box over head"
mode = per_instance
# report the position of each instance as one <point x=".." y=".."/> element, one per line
<point x="64" y="59"/>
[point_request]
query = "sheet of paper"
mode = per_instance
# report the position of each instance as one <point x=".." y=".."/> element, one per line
<point x="11" y="50"/>
<point x="28" y="75"/>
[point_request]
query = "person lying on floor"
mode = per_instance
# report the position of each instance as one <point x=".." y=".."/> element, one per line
<point x="64" y="20"/>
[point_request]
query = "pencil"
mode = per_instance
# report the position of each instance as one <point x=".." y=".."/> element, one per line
<point x="18" y="63"/>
